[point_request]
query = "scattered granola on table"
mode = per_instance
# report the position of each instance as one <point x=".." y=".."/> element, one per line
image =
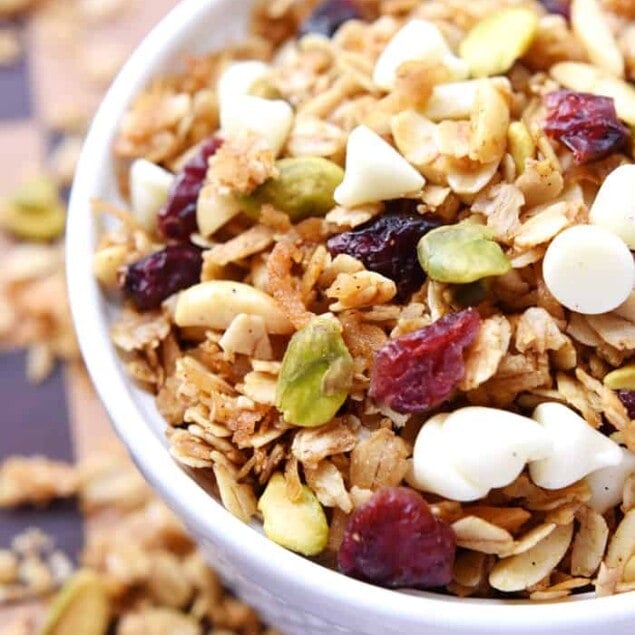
<point x="139" y="572"/>
<point x="377" y="269"/>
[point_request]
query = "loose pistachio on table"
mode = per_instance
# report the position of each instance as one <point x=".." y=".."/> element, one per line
<point x="316" y="373"/>
<point x="299" y="525"/>
<point x="35" y="212"/>
<point x="498" y="40"/>
<point x="461" y="253"/>
<point x="81" y="606"/>
<point x="304" y="187"/>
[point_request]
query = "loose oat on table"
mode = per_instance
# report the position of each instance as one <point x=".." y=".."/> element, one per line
<point x="402" y="217"/>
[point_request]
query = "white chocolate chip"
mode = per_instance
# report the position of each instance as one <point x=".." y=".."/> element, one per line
<point x="433" y="470"/>
<point x="270" y="119"/>
<point x="607" y="484"/>
<point x="375" y="171"/>
<point x="588" y="269"/>
<point x="578" y="449"/>
<point x="614" y="205"/>
<point x="149" y="187"/>
<point x="238" y="80"/>
<point x="490" y="447"/>
<point x="417" y="40"/>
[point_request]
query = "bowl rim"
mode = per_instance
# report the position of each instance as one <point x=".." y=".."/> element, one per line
<point x="182" y="493"/>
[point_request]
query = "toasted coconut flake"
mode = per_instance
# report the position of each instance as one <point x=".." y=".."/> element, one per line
<point x="509" y="518"/>
<point x="538" y="331"/>
<point x="310" y="446"/>
<point x="609" y="402"/>
<point x="248" y="243"/>
<point x="327" y="483"/>
<point x="501" y="204"/>
<point x="379" y="460"/>
<point x="521" y="571"/>
<point x="589" y="543"/>
<point x="484" y="355"/>
<point x="247" y="334"/>
<point x="540" y="182"/>
<point x="365" y="288"/>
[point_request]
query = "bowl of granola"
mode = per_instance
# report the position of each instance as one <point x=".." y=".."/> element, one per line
<point x="355" y="284"/>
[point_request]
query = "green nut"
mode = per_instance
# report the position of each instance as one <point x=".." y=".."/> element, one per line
<point x="304" y="187"/>
<point x="471" y="294"/>
<point x="35" y="212"/>
<point x="265" y="89"/>
<point x="316" y="374"/>
<point x="299" y="525"/>
<point x="622" y="378"/>
<point x="460" y="254"/>
<point x="81" y="606"/>
<point x="498" y="40"/>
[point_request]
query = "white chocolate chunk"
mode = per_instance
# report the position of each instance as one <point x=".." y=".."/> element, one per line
<point x="589" y="269"/>
<point x="577" y="448"/>
<point x="614" y="205"/>
<point x="270" y="119"/>
<point x="149" y="187"/>
<point x="375" y="171"/>
<point x="433" y="470"/>
<point x="238" y="79"/>
<point x="490" y="447"/>
<point x="607" y="484"/>
<point x="417" y="40"/>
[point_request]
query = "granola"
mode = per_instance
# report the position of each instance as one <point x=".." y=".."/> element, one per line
<point x="405" y="110"/>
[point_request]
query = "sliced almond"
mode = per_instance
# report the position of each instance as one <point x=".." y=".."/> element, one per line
<point x="215" y="304"/>
<point x="622" y="545"/>
<point x="531" y="539"/>
<point x="522" y="571"/>
<point x="479" y="535"/>
<point x="489" y="123"/>
<point x="589" y="543"/>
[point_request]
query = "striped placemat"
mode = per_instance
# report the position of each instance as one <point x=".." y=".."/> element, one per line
<point x="69" y="49"/>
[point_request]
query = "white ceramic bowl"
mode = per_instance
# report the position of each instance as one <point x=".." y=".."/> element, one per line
<point x="291" y="592"/>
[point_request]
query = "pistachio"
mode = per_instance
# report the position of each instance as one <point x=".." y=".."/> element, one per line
<point x="498" y="40"/>
<point x="82" y="606"/>
<point x="35" y="212"/>
<point x="621" y="378"/>
<point x="299" y="525"/>
<point x="520" y="144"/>
<point x="304" y="187"/>
<point x="263" y="87"/>
<point x="316" y="373"/>
<point x="470" y="294"/>
<point x="461" y="254"/>
<point x="214" y="304"/>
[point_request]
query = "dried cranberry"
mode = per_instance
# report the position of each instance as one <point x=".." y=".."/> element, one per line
<point x="394" y="540"/>
<point x="177" y="219"/>
<point x="387" y="245"/>
<point x="420" y="370"/>
<point x="627" y="397"/>
<point x="587" y="124"/>
<point x="329" y="16"/>
<point x="561" y="7"/>
<point x="154" y="278"/>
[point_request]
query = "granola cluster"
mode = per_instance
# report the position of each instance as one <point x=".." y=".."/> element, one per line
<point x="224" y="357"/>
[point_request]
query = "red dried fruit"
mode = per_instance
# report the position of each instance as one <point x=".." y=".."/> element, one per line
<point x="387" y="245"/>
<point x="156" y="277"/>
<point x="329" y="16"/>
<point x="587" y="124"/>
<point x="627" y="397"/>
<point x="394" y="540"/>
<point x="418" y="371"/>
<point x="177" y="219"/>
<point x="561" y="7"/>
